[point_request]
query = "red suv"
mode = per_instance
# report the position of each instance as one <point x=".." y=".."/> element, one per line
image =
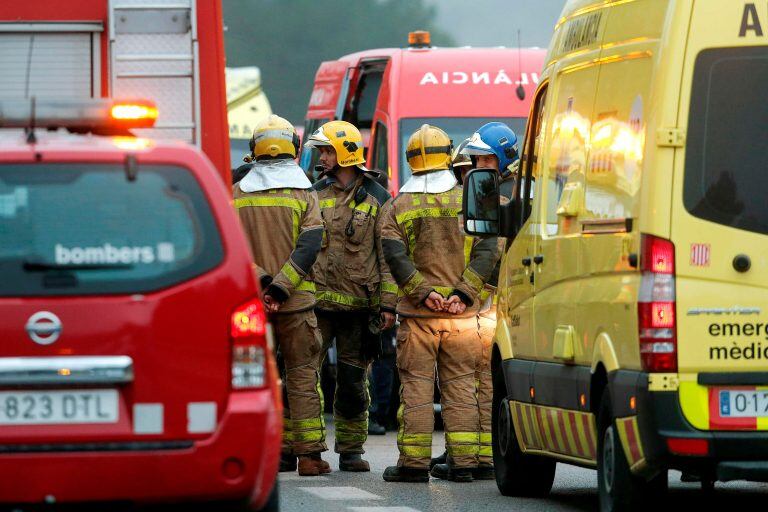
<point x="135" y="361"/>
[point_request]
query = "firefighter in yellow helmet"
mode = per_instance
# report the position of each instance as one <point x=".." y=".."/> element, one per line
<point x="280" y="214"/>
<point x="461" y="165"/>
<point x="441" y="273"/>
<point x="356" y="295"/>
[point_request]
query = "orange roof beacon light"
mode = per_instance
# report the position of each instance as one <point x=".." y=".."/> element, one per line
<point x="419" y="39"/>
<point x="138" y="114"/>
<point x="101" y="115"/>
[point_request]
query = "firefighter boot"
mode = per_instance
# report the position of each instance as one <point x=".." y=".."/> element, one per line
<point x="287" y="462"/>
<point x="353" y="462"/>
<point x="440" y="459"/>
<point x="312" y="465"/>
<point x="375" y="428"/>
<point x="405" y="474"/>
<point x="484" y="472"/>
<point x="448" y="472"/>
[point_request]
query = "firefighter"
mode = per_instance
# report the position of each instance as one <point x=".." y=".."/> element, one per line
<point x="356" y="296"/>
<point x="441" y="273"/>
<point x="501" y="154"/>
<point x="281" y="217"/>
<point x="488" y="152"/>
<point x="494" y="146"/>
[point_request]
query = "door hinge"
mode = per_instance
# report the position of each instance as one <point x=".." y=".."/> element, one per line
<point x="670" y="137"/>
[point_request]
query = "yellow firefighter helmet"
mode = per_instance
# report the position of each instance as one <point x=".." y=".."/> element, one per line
<point x="274" y="137"/>
<point x="344" y="138"/>
<point x="429" y="149"/>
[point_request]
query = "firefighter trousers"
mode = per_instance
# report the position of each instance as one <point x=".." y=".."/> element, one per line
<point x="484" y="381"/>
<point x="351" y="399"/>
<point x="454" y="344"/>
<point x="298" y="338"/>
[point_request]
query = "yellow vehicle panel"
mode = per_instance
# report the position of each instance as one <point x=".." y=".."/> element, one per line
<point x="610" y="164"/>
<point x="722" y="313"/>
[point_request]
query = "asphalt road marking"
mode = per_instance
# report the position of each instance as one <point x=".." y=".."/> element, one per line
<point x="382" y="509"/>
<point x="295" y="477"/>
<point x="340" y="493"/>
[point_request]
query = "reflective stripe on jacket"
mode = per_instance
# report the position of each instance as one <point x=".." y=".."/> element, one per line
<point x="426" y="249"/>
<point x="350" y="271"/>
<point x="284" y="230"/>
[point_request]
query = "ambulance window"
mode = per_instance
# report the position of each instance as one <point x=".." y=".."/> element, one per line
<point x="368" y="93"/>
<point x="380" y="160"/>
<point x="86" y="230"/>
<point x="725" y="171"/>
<point x="531" y="162"/>
<point x="457" y="128"/>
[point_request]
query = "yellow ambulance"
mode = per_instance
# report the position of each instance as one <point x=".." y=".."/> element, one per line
<point x="632" y="333"/>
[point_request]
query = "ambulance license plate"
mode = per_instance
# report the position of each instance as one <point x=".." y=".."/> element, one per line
<point x="58" y="407"/>
<point x="743" y="404"/>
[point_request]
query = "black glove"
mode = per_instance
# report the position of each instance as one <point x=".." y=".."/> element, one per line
<point x="372" y="349"/>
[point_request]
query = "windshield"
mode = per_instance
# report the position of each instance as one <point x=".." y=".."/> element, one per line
<point x="724" y="182"/>
<point x="85" y="229"/>
<point x="457" y="128"/>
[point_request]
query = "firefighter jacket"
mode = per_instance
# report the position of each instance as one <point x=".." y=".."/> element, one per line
<point x="426" y="250"/>
<point x="284" y="230"/>
<point x="350" y="272"/>
<point x="488" y="295"/>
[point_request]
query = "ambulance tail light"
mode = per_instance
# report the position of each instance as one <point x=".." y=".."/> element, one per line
<point x="248" y="330"/>
<point x="656" y="306"/>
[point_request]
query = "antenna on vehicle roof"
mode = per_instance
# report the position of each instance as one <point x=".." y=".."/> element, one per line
<point x="31" y="139"/>
<point x="520" y="89"/>
<point x="30" y="130"/>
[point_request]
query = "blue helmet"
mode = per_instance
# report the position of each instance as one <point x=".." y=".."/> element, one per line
<point x="494" y="139"/>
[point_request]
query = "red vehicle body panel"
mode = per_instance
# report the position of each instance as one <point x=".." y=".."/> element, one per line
<point x="178" y="338"/>
<point x="430" y="82"/>
<point x="249" y="431"/>
<point x="214" y="130"/>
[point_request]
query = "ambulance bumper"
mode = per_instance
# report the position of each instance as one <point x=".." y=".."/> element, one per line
<point x="722" y="455"/>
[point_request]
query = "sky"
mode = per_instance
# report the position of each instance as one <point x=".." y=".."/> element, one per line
<point x="495" y="22"/>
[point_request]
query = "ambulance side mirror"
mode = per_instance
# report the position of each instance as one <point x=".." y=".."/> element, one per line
<point x="481" y="207"/>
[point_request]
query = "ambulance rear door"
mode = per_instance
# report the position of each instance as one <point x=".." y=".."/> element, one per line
<point x="720" y="218"/>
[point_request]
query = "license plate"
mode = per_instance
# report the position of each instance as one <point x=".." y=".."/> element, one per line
<point x="743" y="404"/>
<point x="58" y="407"/>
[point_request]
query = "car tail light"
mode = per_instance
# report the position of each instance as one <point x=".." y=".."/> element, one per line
<point x="248" y="330"/>
<point x="656" y="306"/>
<point x="681" y="446"/>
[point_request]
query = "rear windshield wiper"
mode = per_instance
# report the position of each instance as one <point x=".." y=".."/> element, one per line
<point x="40" y="266"/>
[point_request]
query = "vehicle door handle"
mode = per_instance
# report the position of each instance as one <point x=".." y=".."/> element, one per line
<point x="527" y="261"/>
<point x="538" y="259"/>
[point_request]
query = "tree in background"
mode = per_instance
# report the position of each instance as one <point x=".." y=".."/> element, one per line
<point x="288" y="39"/>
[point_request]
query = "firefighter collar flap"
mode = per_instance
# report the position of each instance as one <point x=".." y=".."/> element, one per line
<point x="274" y="174"/>
<point x="435" y="182"/>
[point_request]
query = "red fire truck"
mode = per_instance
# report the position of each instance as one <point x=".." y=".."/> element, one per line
<point x="168" y="51"/>
<point x="388" y="93"/>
